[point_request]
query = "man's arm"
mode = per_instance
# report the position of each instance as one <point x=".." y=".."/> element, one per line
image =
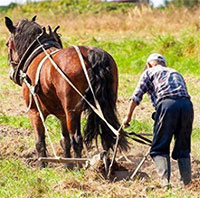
<point x="131" y="108"/>
<point x="136" y="98"/>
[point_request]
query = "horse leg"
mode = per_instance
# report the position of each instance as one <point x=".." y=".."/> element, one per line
<point x="65" y="141"/>
<point x="39" y="130"/>
<point x="73" y="125"/>
<point x="104" y="144"/>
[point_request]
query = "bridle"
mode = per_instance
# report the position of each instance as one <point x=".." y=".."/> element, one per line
<point x="10" y="46"/>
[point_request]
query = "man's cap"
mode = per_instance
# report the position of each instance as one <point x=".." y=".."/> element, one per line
<point x="156" y="56"/>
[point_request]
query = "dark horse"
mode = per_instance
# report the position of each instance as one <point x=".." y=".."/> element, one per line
<point x="55" y="95"/>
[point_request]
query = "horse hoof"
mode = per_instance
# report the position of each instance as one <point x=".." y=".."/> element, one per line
<point x="42" y="164"/>
<point x="69" y="166"/>
<point x="78" y="166"/>
<point x="73" y="166"/>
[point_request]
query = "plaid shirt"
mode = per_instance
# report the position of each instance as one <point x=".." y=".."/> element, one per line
<point x="160" y="82"/>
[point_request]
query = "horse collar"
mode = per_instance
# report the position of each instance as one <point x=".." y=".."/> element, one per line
<point x="35" y="48"/>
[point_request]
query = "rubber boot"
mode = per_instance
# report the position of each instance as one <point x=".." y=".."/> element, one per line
<point x="184" y="165"/>
<point x="163" y="169"/>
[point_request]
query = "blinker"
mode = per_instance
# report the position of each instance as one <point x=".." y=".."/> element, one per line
<point x="11" y="45"/>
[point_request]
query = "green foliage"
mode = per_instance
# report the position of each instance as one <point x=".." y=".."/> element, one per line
<point x="130" y="54"/>
<point x="195" y="142"/>
<point x="74" y="6"/>
<point x="181" y="54"/>
<point x="133" y="56"/>
<point x="196" y="134"/>
<point x="11" y="6"/>
<point x="52" y="124"/>
<point x="187" y="3"/>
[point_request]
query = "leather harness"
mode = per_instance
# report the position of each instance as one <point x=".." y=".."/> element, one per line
<point x="35" y="48"/>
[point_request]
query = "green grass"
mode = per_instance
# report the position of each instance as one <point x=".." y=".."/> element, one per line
<point x="15" y="121"/>
<point x="196" y="142"/>
<point x="181" y="54"/>
<point x="52" y="123"/>
<point x="20" y="181"/>
<point x="140" y="126"/>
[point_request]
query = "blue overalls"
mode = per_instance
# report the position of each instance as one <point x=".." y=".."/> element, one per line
<point x="174" y="117"/>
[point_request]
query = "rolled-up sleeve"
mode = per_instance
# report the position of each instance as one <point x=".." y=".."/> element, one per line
<point x="141" y="88"/>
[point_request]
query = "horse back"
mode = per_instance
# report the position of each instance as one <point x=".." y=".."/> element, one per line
<point x="55" y="93"/>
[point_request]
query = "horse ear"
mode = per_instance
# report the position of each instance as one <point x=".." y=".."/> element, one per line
<point x="57" y="27"/>
<point x="44" y="29"/>
<point x="9" y="25"/>
<point x="50" y="30"/>
<point x="34" y="18"/>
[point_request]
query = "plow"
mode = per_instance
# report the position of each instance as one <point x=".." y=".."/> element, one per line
<point x="103" y="158"/>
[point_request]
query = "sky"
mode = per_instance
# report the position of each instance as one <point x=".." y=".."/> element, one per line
<point x="7" y="2"/>
<point x="156" y="3"/>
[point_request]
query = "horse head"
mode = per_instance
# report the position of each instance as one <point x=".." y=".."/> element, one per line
<point x="21" y="36"/>
<point x="25" y="37"/>
<point x="55" y="35"/>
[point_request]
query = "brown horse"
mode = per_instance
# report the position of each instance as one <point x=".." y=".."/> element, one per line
<point x="55" y="95"/>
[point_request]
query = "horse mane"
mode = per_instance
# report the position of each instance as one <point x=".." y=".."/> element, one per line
<point x="26" y="32"/>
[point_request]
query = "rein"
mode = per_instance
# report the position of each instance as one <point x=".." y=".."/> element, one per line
<point x="142" y="139"/>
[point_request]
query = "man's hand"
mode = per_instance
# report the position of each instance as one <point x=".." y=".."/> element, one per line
<point x="131" y="108"/>
<point x="126" y="122"/>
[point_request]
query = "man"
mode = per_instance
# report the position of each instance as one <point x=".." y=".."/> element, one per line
<point x="173" y="116"/>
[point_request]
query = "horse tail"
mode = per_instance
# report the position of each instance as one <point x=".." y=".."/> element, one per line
<point x="102" y="80"/>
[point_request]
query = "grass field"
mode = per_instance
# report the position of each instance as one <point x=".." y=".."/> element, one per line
<point x="129" y="34"/>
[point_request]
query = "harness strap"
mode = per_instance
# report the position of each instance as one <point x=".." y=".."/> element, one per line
<point x="98" y="110"/>
<point x="74" y="87"/>
<point x="87" y="77"/>
<point x="41" y="65"/>
<point x="36" y="52"/>
<point x="27" y="58"/>
<point x="37" y="78"/>
<point x="31" y="89"/>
